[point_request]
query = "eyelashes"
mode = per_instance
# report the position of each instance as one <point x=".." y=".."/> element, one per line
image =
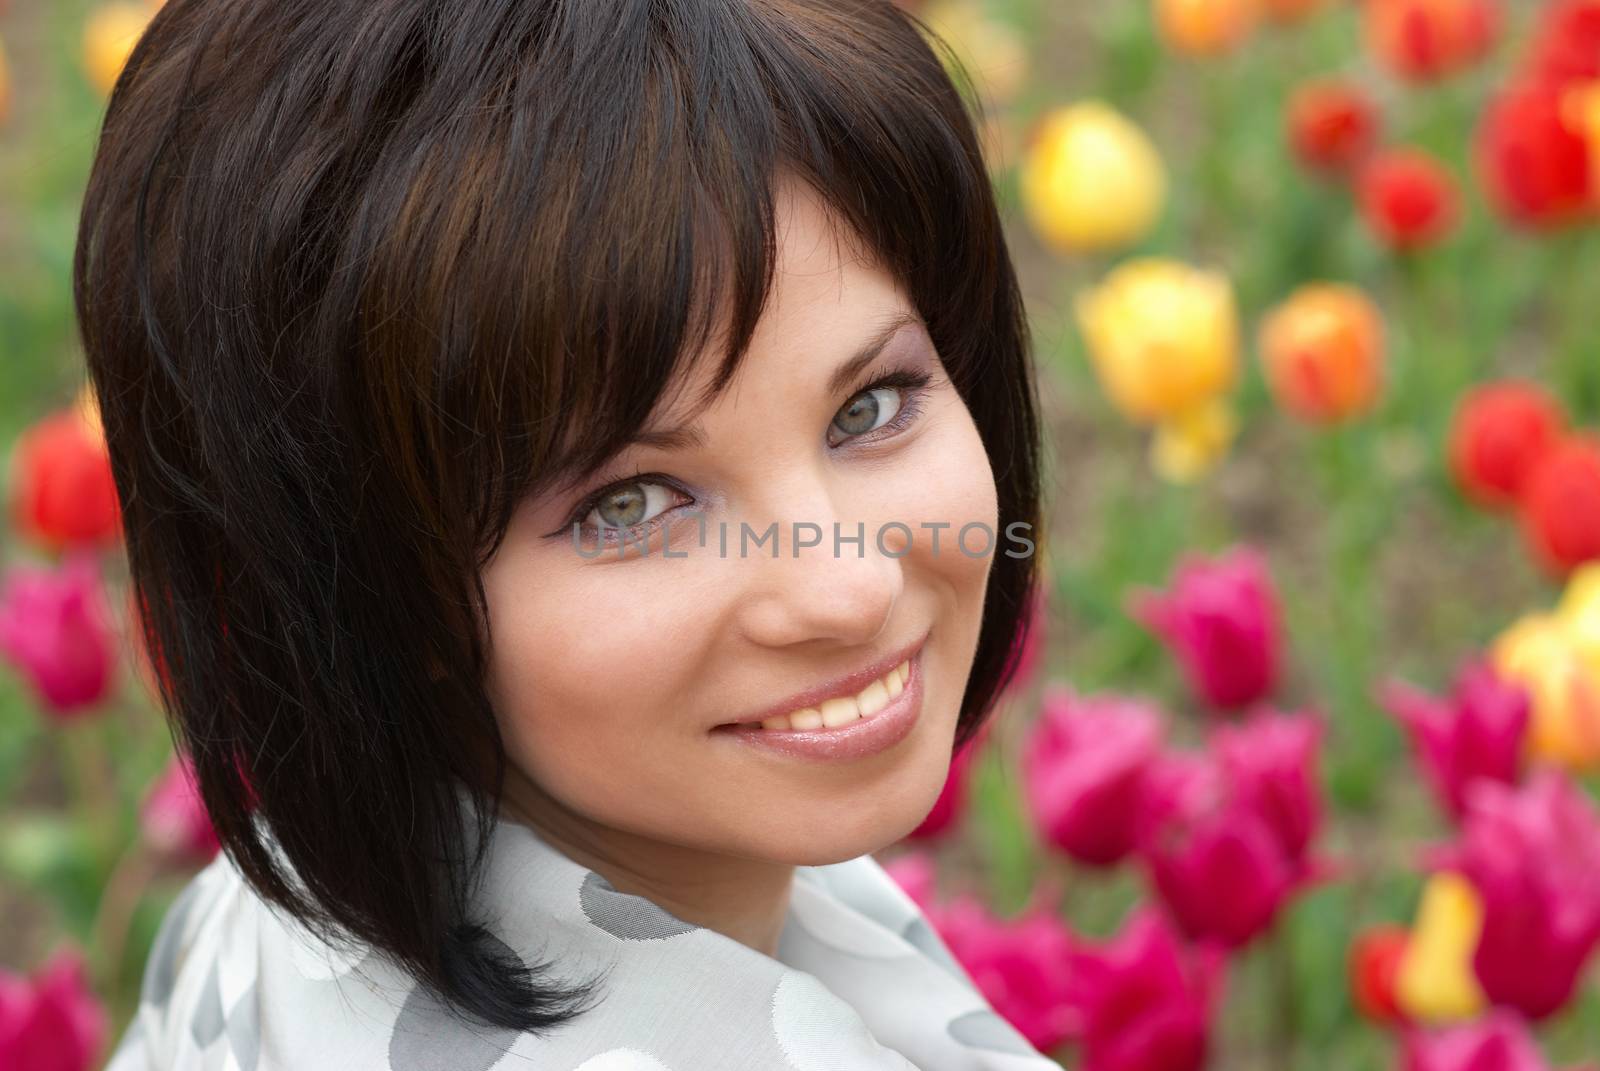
<point x="910" y="382"/>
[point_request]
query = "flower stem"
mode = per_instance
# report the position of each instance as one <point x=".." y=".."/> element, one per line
<point x="108" y="934"/>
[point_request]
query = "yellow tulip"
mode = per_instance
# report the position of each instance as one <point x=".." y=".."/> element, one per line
<point x="1544" y="654"/>
<point x="1434" y="981"/>
<point x="1091" y="179"/>
<point x="109" y="36"/>
<point x="1188" y="447"/>
<point x="1579" y="611"/>
<point x="1164" y="339"/>
<point x="993" y="52"/>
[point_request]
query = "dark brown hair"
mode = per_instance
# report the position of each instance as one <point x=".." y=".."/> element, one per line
<point x="356" y="276"/>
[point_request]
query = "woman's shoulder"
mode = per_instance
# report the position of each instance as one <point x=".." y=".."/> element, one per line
<point x="233" y="982"/>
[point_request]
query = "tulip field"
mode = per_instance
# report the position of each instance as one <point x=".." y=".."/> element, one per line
<point x="1300" y="768"/>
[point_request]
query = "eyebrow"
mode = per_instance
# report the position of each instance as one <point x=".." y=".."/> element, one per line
<point x="691" y="435"/>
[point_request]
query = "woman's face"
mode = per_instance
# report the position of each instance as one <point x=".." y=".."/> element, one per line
<point x="611" y="675"/>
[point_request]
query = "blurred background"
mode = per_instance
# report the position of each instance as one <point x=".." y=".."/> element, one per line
<point x="1299" y="765"/>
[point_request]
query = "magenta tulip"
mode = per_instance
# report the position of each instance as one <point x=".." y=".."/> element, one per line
<point x="1271" y="763"/>
<point x="55" y="628"/>
<point x="1221" y="619"/>
<point x="1475" y="734"/>
<point x="1027" y="652"/>
<point x="174" y="819"/>
<point x="1217" y="862"/>
<point x="1021" y="965"/>
<point x="947" y="810"/>
<point x="1500" y="1041"/>
<point x="1533" y="853"/>
<point x="1083" y="770"/>
<point x="915" y="872"/>
<point x="1145" y="1000"/>
<point x="52" y="1021"/>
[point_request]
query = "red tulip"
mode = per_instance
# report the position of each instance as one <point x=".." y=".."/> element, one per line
<point x="1566" y="46"/>
<point x="1146" y="1001"/>
<point x="1499" y="431"/>
<point x="1408" y="198"/>
<point x="1420" y="40"/>
<point x="52" y="1021"/>
<point x="62" y="491"/>
<point x="1217" y="862"/>
<point x="1533" y="855"/>
<point x="948" y="809"/>
<point x="174" y="819"/>
<point x="1332" y="125"/>
<point x="1500" y="1041"/>
<point x="1475" y="735"/>
<point x="1221" y="619"/>
<point x="1534" y="163"/>
<point x="56" y="629"/>
<point x="1374" y="958"/>
<point x="1083" y="770"/>
<point x="1270" y="762"/>
<point x="1021" y="965"/>
<point x="1561" y="504"/>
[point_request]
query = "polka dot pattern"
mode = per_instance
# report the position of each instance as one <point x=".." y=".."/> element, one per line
<point x="859" y="982"/>
<point x="626" y="916"/>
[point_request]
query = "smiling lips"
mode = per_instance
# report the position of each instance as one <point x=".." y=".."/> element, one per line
<point x="845" y="709"/>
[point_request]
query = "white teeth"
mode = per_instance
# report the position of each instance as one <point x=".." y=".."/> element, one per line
<point x="873" y="698"/>
<point x="839" y="711"/>
<point x="809" y="718"/>
<point x="845" y="709"/>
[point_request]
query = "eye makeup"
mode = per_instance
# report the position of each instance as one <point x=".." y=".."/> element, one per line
<point x="910" y="380"/>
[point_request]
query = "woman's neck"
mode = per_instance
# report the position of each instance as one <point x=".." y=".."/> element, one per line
<point x="741" y="898"/>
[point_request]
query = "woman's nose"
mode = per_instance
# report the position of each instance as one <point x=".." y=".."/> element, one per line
<point x="821" y="586"/>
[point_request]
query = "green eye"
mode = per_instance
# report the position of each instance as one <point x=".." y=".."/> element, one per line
<point x="868" y="411"/>
<point x="630" y="505"/>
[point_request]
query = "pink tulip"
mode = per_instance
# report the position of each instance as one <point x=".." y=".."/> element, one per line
<point x="55" y="628"/>
<point x="1217" y="862"/>
<point x="1271" y="763"/>
<point x="952" y="802"/>
<point x="1020" y="965"/>
<point x="1027" y="652"/>
<point x="915" y="872"/>
<point x="1476" y="734"/>
<point x="1500" y="1041"/>
<point x="1533" y="853"/>
<point x="1083" y="769"/>
<point x="52" y="1021"/>
<point x="174" y="819"/>
<point x="1221" y="619"/>
<point x="1145" y="1001"/>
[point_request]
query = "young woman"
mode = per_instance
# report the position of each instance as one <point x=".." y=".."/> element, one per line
<point x="580" y="472"/>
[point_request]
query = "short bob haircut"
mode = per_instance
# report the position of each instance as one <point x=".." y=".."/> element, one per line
<point x="354" y="277"/>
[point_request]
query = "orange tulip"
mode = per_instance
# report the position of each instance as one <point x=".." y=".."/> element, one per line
<point x="5" y="86"/>
<point x="1292" y="10"/>
<point x="1205" y="27"/>
<point x="1421" y="40"/>
<point x="1322" y="351"/>
<point x="108" y="39"/>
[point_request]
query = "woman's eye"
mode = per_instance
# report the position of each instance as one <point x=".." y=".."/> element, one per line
<point x="868" y="411"/>
<point x="629" y="505"/>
